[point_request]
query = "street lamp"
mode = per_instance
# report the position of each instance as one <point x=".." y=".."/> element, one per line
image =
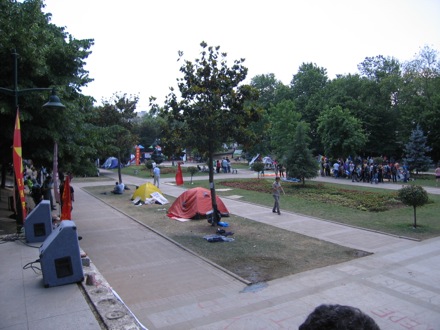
<point x="53" y="103"/>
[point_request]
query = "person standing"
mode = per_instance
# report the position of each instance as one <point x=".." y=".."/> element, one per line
<point x="276" y="190"/>
<point x="46" y="189"/>
<point x="437" y="175"/>
<point x="156" y="175"/>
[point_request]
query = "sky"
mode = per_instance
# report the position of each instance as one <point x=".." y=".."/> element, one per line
<point x="137" y="41"/>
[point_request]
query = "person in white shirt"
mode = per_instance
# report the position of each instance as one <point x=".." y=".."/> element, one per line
<point x="156" y="174"/>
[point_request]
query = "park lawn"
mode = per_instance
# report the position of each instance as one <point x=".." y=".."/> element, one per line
<point x="340" y="203"/>
<point x="259" y="253"/>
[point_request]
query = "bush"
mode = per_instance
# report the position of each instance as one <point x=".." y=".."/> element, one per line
<point x="258" y="167"/>
<point x="413" y="196"/>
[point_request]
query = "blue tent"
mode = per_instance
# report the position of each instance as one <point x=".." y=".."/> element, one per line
<point x="111" y="162"/>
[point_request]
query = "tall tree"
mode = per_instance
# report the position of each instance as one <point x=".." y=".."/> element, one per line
<point x="116" y="120"/>
<point x="341" y="133"/>
<point x="380" y="116"/>
<point x="308" y="92"/>
<point x="419" y="98"/>
<point x="284" y="119"/>
<point x="300" y="162"/>
<point x="271" y="92"/>
<point x="416" y="151"/>
<point x="213" y="105"/>
<point x="48" y="57"/>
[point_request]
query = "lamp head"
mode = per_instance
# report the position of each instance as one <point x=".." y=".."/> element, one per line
<point x="54" y="101"/>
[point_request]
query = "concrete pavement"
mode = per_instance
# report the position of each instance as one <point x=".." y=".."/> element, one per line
<point x="166" y="287"/>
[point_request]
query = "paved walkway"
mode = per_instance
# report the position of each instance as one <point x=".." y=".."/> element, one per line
<point x="169" y="288"/>
<point x="166" y="287"/>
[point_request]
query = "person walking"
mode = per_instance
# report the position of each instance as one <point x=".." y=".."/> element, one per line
<point x="276" y="189"/>
<point x="156" y="175"/>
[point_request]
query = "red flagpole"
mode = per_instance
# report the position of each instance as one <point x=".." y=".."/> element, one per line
<point x="55" y="173"/>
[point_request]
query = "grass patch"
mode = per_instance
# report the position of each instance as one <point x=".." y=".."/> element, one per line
<point x="365" y="207"/>
<point x="259" y="253"/>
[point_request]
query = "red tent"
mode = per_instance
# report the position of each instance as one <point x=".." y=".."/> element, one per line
<point x="194" y="203"/>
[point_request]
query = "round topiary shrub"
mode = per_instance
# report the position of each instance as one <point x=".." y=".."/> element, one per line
<point x="414" y="196"/>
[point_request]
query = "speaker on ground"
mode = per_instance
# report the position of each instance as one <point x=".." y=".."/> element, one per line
<point x="60" y="256"/>
<point x="38" y="224"/>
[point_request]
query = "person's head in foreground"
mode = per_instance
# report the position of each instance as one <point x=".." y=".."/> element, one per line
<point x="338" y="317"/>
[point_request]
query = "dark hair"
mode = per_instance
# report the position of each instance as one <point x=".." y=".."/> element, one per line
<point x="338" y="317"/>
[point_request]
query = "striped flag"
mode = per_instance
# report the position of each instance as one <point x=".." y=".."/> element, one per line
<point x="18" y="164"/>
<point x="66" y="197"/>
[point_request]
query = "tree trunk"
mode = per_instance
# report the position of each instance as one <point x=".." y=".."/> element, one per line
<point x="216" y="217"/>
<point x="415" y="219"/>
<point x="119" y="167"/>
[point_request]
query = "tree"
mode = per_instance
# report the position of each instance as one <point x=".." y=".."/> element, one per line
<point x="420" y="97"/>
<point x="414" y="196"/>
<point x="48" y="57"/>
<point x="192" y="170"/>
<point x="416" y="150"/>
<point x="148" y="129"/>
<point x="300" y="162"/>
<point x="213" y="105"/>
<point x="381" y="80"/>
<point x="258" y="167"/>
<point x="284" y="119"/>
<point x="116" y="118"/>
<point x="308" y="87"/>
<point x="341" y="133"/>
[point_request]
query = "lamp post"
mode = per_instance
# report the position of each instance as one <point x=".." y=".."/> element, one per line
<point x="54" y="102"/>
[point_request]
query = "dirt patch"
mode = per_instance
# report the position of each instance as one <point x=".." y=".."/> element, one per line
<point x="258" y="253"/>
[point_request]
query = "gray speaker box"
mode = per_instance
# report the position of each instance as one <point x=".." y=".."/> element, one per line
<point x="38" y="224"/>
<point x="60" y="256"/>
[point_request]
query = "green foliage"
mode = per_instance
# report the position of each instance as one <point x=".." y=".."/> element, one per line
<point x="258" y="167"/>
<point x="414" y="196"/>
<point x="115" y="118"/>
<point x="416" y="150"/>
<point x="284" y="119"/>
<point x="48" y="57"/>
<point x="341" y="133"/>
<point x="326" y="194"/>
<point x="192" y="170"/>
<point x="149" y="164"/>
<point x="214" y="107"/>
<point x="300" y="162"/>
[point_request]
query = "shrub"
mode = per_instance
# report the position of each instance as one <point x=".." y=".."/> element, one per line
<point x="258" y="167"/>
<point x="414" y="196"/>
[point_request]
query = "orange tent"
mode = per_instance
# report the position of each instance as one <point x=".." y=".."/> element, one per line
<point x="195" y="203"/>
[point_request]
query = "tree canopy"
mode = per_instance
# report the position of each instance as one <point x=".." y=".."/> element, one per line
<point x="213" y="105"/>
<point x="48" y="56"/>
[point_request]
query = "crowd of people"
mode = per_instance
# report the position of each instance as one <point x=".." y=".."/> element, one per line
<point x="365" y="170"/>
<point x="223" y="166"/>
<point x="39" y="185"/>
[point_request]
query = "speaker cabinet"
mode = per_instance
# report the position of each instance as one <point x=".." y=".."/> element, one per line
<point x="38" y="224"/>
<point x="60" y="256"/>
